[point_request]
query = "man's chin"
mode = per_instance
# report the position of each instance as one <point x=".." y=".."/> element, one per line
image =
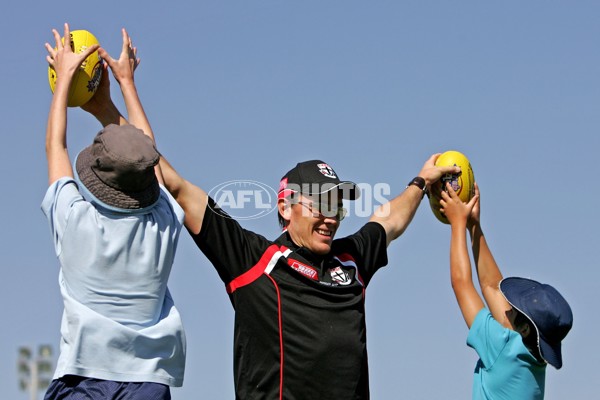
<point x="321" y="248"/>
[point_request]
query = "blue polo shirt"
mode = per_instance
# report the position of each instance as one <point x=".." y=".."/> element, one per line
<point x="506" y="370"/>
<point x="119" y="321"/>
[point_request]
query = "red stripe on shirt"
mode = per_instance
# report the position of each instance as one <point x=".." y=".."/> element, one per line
<point x="280" y="337"/>
<point x="253" y="273"/>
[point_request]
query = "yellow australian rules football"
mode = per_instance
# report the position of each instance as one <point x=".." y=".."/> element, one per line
<point x="462" y="183"/>
<point x="87" y="78"/>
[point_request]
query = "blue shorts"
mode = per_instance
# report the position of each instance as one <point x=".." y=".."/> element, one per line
<point x="71" y="387"/>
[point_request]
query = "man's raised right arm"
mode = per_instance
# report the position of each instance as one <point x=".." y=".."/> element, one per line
<point x="190" y="197"/>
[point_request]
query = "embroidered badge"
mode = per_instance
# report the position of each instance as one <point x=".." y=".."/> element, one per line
<point x="326" y="170"/>
<point x="339" y="276"/>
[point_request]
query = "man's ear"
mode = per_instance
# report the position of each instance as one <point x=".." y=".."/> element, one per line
<point x="285" y="209"/>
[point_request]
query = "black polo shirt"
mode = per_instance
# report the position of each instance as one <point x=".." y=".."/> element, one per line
<point x="300" y="329"/>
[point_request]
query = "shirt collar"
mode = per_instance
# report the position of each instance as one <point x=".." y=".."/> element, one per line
<point x="301" y="252"/>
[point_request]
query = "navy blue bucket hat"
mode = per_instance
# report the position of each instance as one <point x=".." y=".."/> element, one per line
<point x="545" y="307"/>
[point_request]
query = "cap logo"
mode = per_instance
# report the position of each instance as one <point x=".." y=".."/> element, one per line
<point x="326" y="170"/>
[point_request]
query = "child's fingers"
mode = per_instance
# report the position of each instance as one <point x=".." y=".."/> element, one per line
<point x="473" y="200"/>
<point x="444" y="196"/>
<point x="104" y="54"/>
<point x="89" y="50"/>
<point x="67" y="38"/>
<point x="50" y="50"/>
<point x="57" y="40"/>
<point x="126" y="38"/>
<point x="451" y="190"/>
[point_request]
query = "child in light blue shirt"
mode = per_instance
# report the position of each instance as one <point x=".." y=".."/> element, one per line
<point x="115" y="231"/>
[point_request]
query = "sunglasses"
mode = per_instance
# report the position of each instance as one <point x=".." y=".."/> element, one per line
<point x="325" y="210"/>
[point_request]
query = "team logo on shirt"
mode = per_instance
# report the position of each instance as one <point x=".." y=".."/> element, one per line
<point x="305" y="270"/>
<point x="339" y="276"/>
<point x="326" y="170"/>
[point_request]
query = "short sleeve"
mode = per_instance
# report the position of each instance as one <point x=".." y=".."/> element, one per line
<point x="487" y="337"/>
<point x="369" y="245"/>
<point x="60" y="198"/>
<point x="178" y="212"/>
<point x="231" y="249"/>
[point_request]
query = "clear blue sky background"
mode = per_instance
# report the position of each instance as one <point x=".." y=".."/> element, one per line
<point x="242" y="90"/>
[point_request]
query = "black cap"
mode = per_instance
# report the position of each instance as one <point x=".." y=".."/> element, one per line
<point x="315" y="177"/>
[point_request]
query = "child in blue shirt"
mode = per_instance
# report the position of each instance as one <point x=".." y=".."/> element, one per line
<point x="524" y="323"/>
<point x="115" y="230"/>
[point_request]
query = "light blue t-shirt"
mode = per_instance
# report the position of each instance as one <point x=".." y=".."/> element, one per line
<point x="119" y="321"/>
<point x="506" y="370"/>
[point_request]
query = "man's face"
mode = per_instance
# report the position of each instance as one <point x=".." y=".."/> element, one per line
<point x="314" y="221"/>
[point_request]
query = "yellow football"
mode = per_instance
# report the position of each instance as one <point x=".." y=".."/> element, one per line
<point x="463" y="183"/>
<point x="87" y="78"/>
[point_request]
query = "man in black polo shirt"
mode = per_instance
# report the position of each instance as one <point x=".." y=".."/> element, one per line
<point x="299" y="300"/>
<point x="300" y="329"/>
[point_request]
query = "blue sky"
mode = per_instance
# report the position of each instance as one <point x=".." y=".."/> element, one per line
<point x="242" y="90"/>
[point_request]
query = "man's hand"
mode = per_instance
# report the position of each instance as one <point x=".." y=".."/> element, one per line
<point x="432" y="173"/>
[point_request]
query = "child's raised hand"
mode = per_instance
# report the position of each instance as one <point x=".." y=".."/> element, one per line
<point x="475" y="212"/>
<point x="123" y="67"/>
<point x="454" y="208"/>
<point x="62" y="58"/>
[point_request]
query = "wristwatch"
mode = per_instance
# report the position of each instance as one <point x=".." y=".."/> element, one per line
<point x="420" y="183"/>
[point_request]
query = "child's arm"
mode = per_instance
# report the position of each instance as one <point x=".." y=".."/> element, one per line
<point x="122" y="69"/>
<point x="189" y="196"/>
<point x="457" y="212"/>
<point x="101" y="105"/>
<point x="487" y="270"/>
<point x="65" y="64"/>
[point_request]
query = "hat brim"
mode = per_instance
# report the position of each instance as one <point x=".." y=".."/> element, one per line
<point x="348" y="189"/>
<point x="127" y="200"/>
<point x="514" y="290"/>
<point x="551" y="353"/>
